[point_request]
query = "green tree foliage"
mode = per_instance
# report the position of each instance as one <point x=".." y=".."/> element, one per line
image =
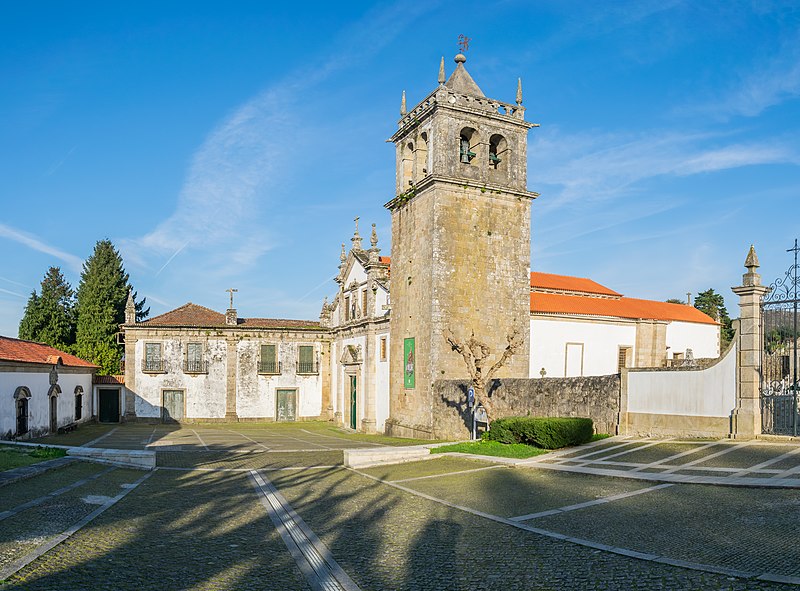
<point x="713" y="304"/>
<point x="675" y="301"/>
<point x="50" y="316"/>
<point x="102" y="294"/>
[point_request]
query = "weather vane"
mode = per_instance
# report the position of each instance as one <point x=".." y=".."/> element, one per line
<point x="463" y="43"/>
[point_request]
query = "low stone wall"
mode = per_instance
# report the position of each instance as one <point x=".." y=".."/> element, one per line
<point x="595" y="397"/>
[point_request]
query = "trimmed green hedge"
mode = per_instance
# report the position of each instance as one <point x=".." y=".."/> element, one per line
<point x="548" y="433"/>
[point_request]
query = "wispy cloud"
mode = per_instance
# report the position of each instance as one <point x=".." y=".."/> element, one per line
<point x="14" y="293"/>
<point x="12" y="282"/>
<point x="34" y="243"/>
<point x="58" y="164"/>
<point x="768" y="83"/>
<point x="234" y="173"/>
<point x="596" y="168"/>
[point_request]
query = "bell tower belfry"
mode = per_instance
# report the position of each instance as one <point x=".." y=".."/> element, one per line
<point x="460" y="241"/>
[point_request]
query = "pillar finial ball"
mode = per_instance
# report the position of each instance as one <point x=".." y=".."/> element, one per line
<point x="460" y="58"/>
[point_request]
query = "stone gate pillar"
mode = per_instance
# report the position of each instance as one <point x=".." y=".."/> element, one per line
<point x="747" y="414"/>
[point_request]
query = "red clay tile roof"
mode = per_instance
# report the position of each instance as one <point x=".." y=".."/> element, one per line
<point x="567" y="283"/>
<point x="193" y="316"/>
<point x="552" y="303"/>
<point x="385" y="260"/>
<point x="115" y="380"/>
<point x="30" y="352"/>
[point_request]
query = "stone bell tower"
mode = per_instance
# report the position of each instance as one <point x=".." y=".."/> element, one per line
<point x="460" y="241"/>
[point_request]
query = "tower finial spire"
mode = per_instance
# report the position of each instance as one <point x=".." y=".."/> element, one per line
<point x="356" y="239"/>
<point x="373" y="240"/>
<point x="403" y="109"/>
<point x="343" y="255"/>
<point x="442" y="77"/>
<point x="519" y="91"/>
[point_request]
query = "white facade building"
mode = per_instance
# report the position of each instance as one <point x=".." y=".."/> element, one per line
<point x="42" y="389"/>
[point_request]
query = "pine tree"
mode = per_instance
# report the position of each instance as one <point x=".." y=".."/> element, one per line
<point x="102" y="293"/>
<point x="50" y="317"/>
<point x="713" y="304"/>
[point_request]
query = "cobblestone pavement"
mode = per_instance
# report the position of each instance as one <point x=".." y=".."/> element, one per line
<point x="451" y="522"/>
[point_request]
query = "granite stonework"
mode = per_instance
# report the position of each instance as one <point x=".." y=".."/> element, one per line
<point x="594" y="397"/>
<point x="460" y="240"/>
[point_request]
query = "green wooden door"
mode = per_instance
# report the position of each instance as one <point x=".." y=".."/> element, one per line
<point x="287" y="405"/>
<point x="172" y="410"/>
<point x="109" y="405"/>
<point x="353" y="398"/>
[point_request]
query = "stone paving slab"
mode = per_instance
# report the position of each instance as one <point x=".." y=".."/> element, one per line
<point x="441" y="465"/>
<point x="23" y="532"/>
<point x="389" y="539"/>
<point x="661" y="452"/>
<point x="256" y="460"/>
<point x="178" y="530"/>
<point x="15" y="475"/>
<point x="45" y="483"/>
<point x="509" y="492"/>
<point x="744" y="529"/>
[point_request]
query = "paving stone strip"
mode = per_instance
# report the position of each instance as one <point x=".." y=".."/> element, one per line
<point x="55" y="493"/>
<point x="53" y="542"/>
<point x="200" y="439"/>
<point x="683" y="454"/>
<point x="732" y="447"/>
<point x="249" y="439"/>
<point x="311" y="555"/>
<point x="775" y="460"/>
<point x="586" y="504"/>
<point x="99" y="439"/>
<point x="448" y="473"/>
<point x="25" y="472"/>
<point x="621" y="453"/>
<point x="650" y="557"/>
<point x="567" y="457"/>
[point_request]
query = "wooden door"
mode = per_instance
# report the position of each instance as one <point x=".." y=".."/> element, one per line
<point x="287" y="405"/>
<point x="108" y="401"/>
<point x="353" y="398"/>
<point x="172" y="410"/>
<point x="53" y="414"/>
<point x="22" y="416"/>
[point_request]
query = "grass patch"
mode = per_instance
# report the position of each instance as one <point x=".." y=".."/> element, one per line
<point x="600" y="436"/>
<point x="492" y="448"/>
<point x="15" y="457"/>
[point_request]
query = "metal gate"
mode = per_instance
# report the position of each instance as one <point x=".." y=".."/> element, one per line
<point x="779" y="371"/>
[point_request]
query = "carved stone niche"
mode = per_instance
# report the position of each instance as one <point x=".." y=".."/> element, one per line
<point x="351" y="355"/>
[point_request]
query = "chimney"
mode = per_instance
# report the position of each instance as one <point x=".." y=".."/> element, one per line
<point x="230" y="317"/>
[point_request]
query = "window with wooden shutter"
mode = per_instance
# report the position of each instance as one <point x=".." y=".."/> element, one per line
<point x="305" y="363"/>
<point x="364" y="303"/>
<point x="194" y="359"/>
<point x="269" y="360"/>
<point x="383" y="348"/>
<point x="152" y="361"/>
<point x="346" y="308"/>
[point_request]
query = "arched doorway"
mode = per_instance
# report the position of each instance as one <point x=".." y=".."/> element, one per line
<point x="21" y="397"/>
<point x="55" y="390"/>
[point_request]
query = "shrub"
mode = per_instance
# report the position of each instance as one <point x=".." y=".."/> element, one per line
<point x="548" y="433"/>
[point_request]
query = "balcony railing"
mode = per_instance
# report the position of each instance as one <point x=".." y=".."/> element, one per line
<point x="195" y="366"/>
<point x="153" y="365"/>
<point x="269" y="367"/>
<point x="307" y="367"/>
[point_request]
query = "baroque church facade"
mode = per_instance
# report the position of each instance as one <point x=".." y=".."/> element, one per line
<point x="460" y="266"/>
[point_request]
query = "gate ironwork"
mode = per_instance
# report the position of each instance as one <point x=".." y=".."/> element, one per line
<point x="779" y="372"/>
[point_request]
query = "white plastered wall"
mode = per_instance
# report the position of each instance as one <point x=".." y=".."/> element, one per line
<point x="256" y="393"/>
<point x="381" y="383"/>
<point x="601" y="340"/>
<point x="38" y="382"/>
<point x="702" y="339"/>
<point x="204" y="394"/>
<point x="709" y="392"/>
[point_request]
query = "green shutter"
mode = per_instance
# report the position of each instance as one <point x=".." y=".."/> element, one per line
<point x="268" y="354"/>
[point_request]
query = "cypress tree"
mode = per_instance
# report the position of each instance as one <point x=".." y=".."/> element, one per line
<point x="50" y="317"/>
<point x="102" y="294"/>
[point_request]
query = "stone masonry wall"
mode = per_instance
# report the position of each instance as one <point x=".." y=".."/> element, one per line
<point x="595" y="397"/>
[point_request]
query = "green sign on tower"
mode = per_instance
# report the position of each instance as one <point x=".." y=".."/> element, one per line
<point x="408" y="363"/>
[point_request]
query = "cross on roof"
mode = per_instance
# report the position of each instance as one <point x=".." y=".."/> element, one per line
<point x="231" y="291"/>
<point x="463" y="43"/>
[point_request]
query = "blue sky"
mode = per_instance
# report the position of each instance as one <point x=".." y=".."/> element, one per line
<point x="232" y="147"/>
